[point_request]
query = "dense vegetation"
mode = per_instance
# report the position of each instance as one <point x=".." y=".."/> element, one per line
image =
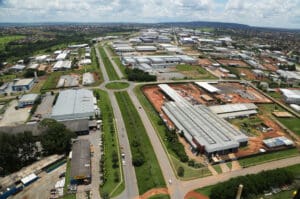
<point x="19" y="150"/>
<point x="56" y="138"/>
<point x="147" y="169"/>
<point x="254" y="184"/>
<point x="175" y="145"/>
<point x="139" y="75"/>
<point x="16" y="151"/>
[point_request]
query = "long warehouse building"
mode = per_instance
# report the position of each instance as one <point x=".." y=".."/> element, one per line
<point x="204" y="130"/>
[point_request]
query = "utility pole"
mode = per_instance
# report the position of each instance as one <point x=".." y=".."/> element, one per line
<point x="239" y="192"/>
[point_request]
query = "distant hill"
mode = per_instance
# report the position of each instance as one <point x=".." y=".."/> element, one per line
<point x="207" y="24"/>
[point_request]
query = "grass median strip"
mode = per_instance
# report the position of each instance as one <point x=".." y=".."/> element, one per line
<point x="120" y="65"/>
<point x="147" y="169"/>
<point x="108" y="65"/>
<point x="112" y="170"/>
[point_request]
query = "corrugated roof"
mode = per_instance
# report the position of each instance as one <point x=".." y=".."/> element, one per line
<point x="81" y="160"/>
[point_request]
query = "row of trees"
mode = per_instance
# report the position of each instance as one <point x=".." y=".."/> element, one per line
<point x="139" y="75"/>
<point x="254" y="184"/>
<point x="19" y="150"/>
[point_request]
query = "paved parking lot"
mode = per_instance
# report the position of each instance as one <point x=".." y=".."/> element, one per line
<point x="45" y="108"/>
<point x="12" y="116"/>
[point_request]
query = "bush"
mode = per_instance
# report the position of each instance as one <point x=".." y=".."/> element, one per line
<point x="138" y="159"/>
<point x="139" y="75"/>
<point x="180" y="171"/>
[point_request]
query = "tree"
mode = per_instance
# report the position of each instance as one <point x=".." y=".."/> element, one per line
<point x="180" y="171"/>
<point x="138" y="159"/>
<point x="56" y="138"/>
<point x="115" y="159"/>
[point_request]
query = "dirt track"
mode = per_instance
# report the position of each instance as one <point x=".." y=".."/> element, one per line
<point x="195" y="195"/>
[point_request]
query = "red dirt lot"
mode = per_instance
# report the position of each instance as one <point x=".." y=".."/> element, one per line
<point x="270" y="67"/>
<point x="227" y="62"/>
<point x="195" y="195"/>
<point x="204" y="62"/>
<point x="153" y="192"/>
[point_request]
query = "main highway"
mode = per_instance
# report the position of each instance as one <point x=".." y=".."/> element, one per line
<point x="177" y="188"/>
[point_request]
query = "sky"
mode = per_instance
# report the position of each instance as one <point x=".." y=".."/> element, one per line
<point x="264" y="13"/>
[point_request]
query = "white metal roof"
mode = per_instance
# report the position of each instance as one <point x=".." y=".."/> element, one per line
<point x="228" y="108"/>
<point x="23" y="82"/>
<point x="28" y="178"/>
<point x="29" y="97"/>
<point x="73" y="104"/>
<point x="290" y="93"/>
<point x="208" y="87"/>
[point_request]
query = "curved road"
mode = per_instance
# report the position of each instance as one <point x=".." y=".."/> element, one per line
<point x="177" y="188"/>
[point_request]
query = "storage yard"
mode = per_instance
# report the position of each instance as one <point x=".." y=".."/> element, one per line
<point x="241" y="106"/>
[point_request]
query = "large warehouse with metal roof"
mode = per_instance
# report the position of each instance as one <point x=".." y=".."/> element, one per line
<point x="74" y="104"/>
<point x="204" y="130"/>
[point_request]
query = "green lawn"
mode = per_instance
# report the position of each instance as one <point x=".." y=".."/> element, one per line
<point x="120" y="65"/>
<point x="52" y="80"/>
<point x="194" y="72"/>
<point x="217" y="168"/>
<point x="160" y="196"/>
<point x="7" y="78"/>
<point x="6" y="39"/>
<point x="111" y="145"/>
<point x="263" y="158"/>
<point x="190" y="173"/>
<point x="291" y="123"/>
<point x="108" y="65"/>
<point x="149" y="174"/>
<point x="117" y="85"/>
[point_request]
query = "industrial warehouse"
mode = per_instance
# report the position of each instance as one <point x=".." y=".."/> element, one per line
<point x="74" y="104"/>
<point x="203" y="129"/>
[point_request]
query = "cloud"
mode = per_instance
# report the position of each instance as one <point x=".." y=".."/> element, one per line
<point x="284" y="13"/>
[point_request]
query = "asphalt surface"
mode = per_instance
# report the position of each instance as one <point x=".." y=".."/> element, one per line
<point x="131" y="189"/>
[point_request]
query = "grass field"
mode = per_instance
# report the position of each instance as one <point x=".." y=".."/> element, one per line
<point x="291" y="123"/>
<point x="110" y="144"/>
<point x="189" y="172"/>
<point x="6" y="39"/>
<point x="7" y="78"/>
<point x="149" y="174"/>
<point x="120" y="65"/>
<point x="194" y="72"/>
<point x="117" y="85"/>
<point x="108" y="65"/>
<point x="263" y="158"/>
<point x="217" y="168"/>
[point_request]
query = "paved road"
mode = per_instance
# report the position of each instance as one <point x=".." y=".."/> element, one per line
<point x="117" y="69"/>
<point x="131" y="189"/>
<point x="102" y="67"/>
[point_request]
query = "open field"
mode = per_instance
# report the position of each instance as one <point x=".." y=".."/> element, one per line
<point x="6" y="39"/>
<point x="117" y="85"/>
<point x="194" y="72"/>
<point x="291" y="123"/>
<point x="263" y="158"/>
<point x="7" y="78"/>
<point x="108" y="65"/>
<point x="148" y="174"/>
<point x="112" y="173"/>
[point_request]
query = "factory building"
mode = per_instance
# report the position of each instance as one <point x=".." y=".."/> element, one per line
<point x="291" y="96"/>
<point x="205" y="131"/>
<point x="23" y="84"/>
<point x="27" y="100"/>
<point x="88" y="79"/>
<point x="74" y="104"/>
<point x="62" y="65"/>
<point x="81" y="162"/>
<point x="289" y="76"/>
<point x="17" y="68"/>
<point x="234" y="110"/>
<point x="146" y="48"/>
<point x="63" y="55"/>
<point x="208" y="87"/>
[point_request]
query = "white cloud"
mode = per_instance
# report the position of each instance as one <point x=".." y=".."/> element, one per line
<point x="284" y="13"/>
